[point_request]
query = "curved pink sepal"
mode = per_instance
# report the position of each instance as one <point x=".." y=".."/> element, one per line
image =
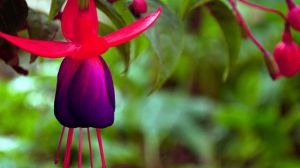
<point x="129" y="32"/>
<point x="70" y="12"/>
<point x="46" y="49"/>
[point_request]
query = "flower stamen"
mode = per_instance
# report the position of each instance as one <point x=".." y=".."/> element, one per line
<point x="68" y="148"/>
<point x="59" y="146"/>
<point x="80" y="149"/>
<point x="101" y="147"/>
<point x="90" y="148"/>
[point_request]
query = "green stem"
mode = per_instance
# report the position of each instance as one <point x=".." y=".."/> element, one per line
<point x="84" y="4"/>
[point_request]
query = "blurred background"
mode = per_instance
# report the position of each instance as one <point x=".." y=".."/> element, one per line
<point x="192" y="92"/>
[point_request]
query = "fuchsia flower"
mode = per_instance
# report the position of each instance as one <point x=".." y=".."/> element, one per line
<point x="287" y="55"/>
<point x="85" y="93"/>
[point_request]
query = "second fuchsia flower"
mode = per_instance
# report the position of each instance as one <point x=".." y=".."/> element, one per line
<point x="286" y="58"/>
<point x="287" y="52"/>
<point x="85" y="92"/>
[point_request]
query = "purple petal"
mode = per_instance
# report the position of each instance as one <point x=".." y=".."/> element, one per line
<point x="91" y="95"/>
<point x="109" y="83"/>
<point x="66" y="73"/>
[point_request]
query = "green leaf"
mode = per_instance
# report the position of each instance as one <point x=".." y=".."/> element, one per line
<point x="105" y="29"/>
<point x="199" y="3"/>
<point x="56" y="5"/>
<point x="167" y="41"/>
<point x="230" y="28"/>
<point x="109" y="10"/>
<point x="179" y="6"/>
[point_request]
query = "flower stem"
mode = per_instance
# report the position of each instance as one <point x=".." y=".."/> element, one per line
<point x="291" y="4"/>
<point x="287" y="35"/>
<point x="246" y="27"/>
<point x="84" y="4"/>
<point x="269" y="60"/>
<point x="262" y="8"/>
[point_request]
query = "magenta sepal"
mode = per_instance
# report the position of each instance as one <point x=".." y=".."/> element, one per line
<point x="49" y="49"/>
<point x="129" y="32"/>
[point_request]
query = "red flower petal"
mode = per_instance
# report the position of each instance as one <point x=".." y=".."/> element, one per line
<point x="70" y="13"/>
<point x="129" y="32"/>
<point x="47" y="49"/>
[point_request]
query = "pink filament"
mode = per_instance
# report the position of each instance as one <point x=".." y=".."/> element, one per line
<point x="90" y="148"/>
<point x="66" y="163"/>
<point x="68" y="148"/>
<point x="59" y="146"/>
<point x="101" y="147"/>
<point x="80" y="149"/>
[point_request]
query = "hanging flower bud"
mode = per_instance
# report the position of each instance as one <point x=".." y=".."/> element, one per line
<point x="138" y="7"/>
<point x="287" y="55"/>
<point x="293" y="15"/>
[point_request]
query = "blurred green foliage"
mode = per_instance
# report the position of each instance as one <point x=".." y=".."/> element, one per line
<point x="174" y="108"/>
